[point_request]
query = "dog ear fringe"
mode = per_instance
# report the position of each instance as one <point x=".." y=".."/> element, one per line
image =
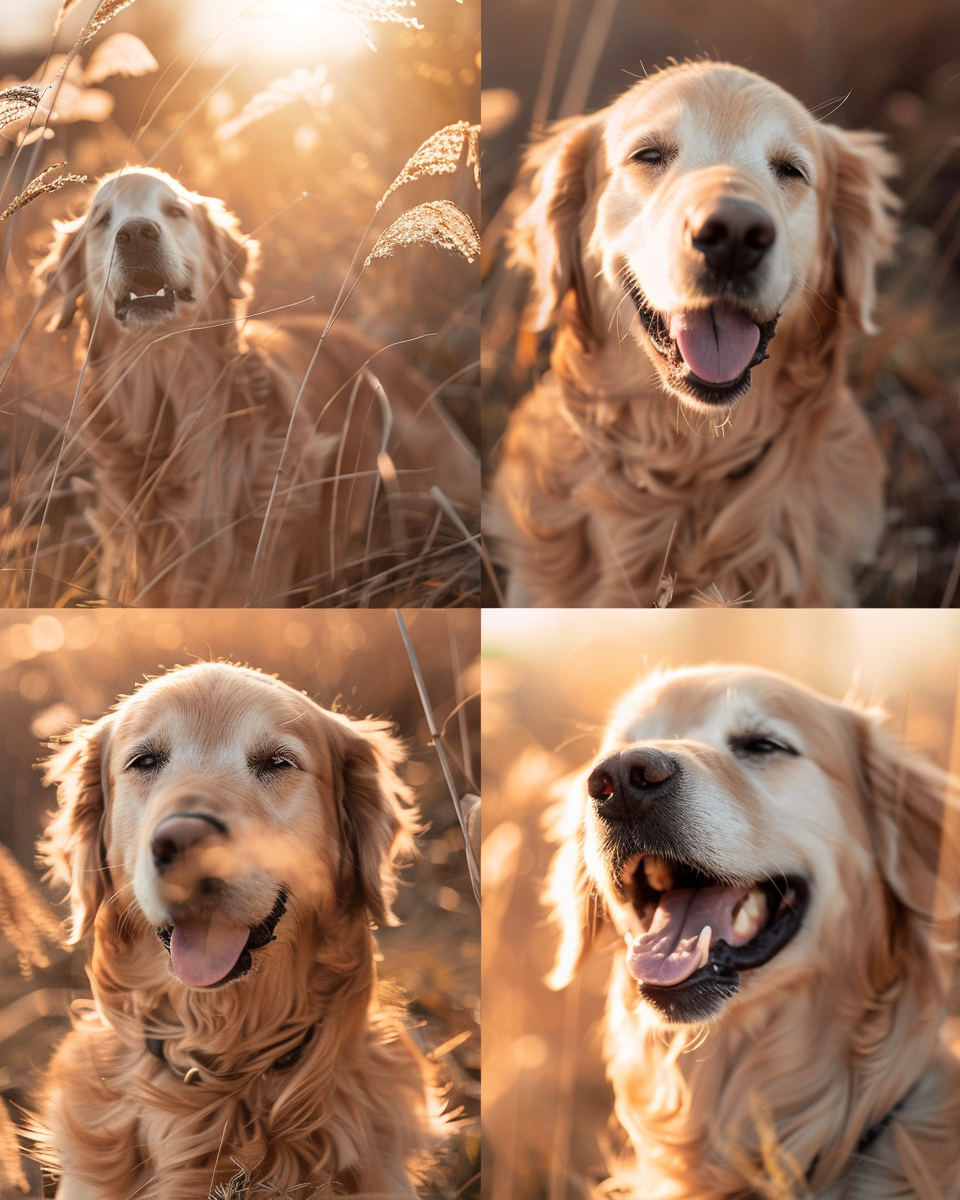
<point x="546" y="234"/>
<point x="913" y="810"/>
<point x="861" y="217"/>
<point x="378" y="818"/>
<point x="71" y="846"/>
<point x="570" y="893"/>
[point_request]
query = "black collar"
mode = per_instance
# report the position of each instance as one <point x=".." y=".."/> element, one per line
<point x="194" y="1074"/>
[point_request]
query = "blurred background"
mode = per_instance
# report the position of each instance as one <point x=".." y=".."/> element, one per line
<point x="298" y="114"/>
<point x="550" y="679"/>
<point x="877" y="64"/>
<point x="59" y="668"/>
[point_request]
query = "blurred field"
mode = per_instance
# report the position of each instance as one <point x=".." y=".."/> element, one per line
<point x="303" y="169"/>
<point x="549" y="681"/>
<point x="885" y="66"/>
<point x="58" y="668"/>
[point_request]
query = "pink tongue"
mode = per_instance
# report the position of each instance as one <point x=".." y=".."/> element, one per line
<point x="716" y="343"/>
<point x="202" y="952"/>
<point x="667" y="953"/>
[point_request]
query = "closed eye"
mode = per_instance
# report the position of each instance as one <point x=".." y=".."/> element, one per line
<point x="760" y="745"/>
<point x="147" y="760"/>
<point x="265" y="764"/>
<point x="653" y="155"/>
<point x="786" y="168"/>
<point x="175" y="210"/>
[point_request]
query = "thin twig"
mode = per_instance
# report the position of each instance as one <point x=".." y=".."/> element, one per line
<point x="472" y="865"/>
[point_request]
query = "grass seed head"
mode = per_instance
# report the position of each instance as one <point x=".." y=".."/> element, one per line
<point x="37" y="188"/>
<point x="439" y="223"/>
<point x="440" y="155"/>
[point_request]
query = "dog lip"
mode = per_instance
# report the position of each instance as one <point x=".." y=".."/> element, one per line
<point x="679" y="375"/>
<point x="706" y="988"/>
<point x="260" y="935"/>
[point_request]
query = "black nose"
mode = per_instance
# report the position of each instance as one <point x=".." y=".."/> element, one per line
<point x="732" y="235"/>
<point x="137" y="231"/>
<point x="626" y="784"/>
<point x="178" y="833"/>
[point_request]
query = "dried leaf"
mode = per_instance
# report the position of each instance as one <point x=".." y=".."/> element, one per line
<point x="300" y="84"/>
<point x="439" y="223"/>
<point x="439" y="155"/>
<point x="37" y="188"/>
<point x="120" y="54"/>
<point x="106" y="12"/>
<point x="357" y="12"/>
<point x="17" y="103"/>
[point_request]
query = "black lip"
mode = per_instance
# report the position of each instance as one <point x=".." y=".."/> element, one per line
<point x="678" y="374"/>
<point x="260" y="935"/>
<point x="149" y="281"/>
<point x="703" y="993"/>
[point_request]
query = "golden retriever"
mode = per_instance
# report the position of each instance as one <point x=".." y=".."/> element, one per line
<point x="230" y="844"/>
<point x="700" y="225"/>
<point x="771" y="859"/>
<point x="185" y="409"/>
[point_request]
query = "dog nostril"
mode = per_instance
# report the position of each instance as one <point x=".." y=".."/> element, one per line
<point x="760" y="237"/>
<point x="648" y="775"/>
<point x="177" y="834"/>
<point x="712" y="233"/>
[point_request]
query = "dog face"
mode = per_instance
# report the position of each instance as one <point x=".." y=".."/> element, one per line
<point x="708" y="201"/>
<point x="148" y="255"/>
<point x="744" y="834"/>
<point x="216" y="800"/>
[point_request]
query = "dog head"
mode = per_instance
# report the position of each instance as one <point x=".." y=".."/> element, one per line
<point x="225" y="811"/>
<point x="745" y="835"/>
<point x="148" y="255"/>
<point x="706" y="202"/>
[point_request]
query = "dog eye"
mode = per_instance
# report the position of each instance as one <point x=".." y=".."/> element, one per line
<point x="271" y="764"/>
<point x="787" y="169"/>
<point x="146" y="761"/>
<point x="759" y="745"/>
<point x="175" y="210"/>
<point x="652" y="155"/>
<point x="104" y="220"/>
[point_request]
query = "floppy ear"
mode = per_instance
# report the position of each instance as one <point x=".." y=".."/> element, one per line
<point x="72" y="846"/>
<point x="861" y="222"/>
<point x="913" y="810"/>
<point x="63" y="270"/>
<point x="570" y="892"/>
<point x="234" y="257"/>
<point x="546" y="235"/>
<point x="377" y="820"/>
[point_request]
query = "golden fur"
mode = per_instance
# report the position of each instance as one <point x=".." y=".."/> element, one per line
<point x="184" y="408"/>
<point x="774" y="497"/>
<point x="307" y="801"/>
<point x="768" y="1091"/>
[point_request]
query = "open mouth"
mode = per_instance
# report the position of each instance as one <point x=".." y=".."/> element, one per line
<point x="210" y="951"/>
<point x="147" y="294"/>
<point x="697" y="932"/>
<point x="708" y="353"/>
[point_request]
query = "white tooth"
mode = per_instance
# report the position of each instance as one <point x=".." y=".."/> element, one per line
<point x="750" y="916"/>
<point x="703" y="946"/>
<point x="162" y="290"/>
<point x="659" y="874"/>
<point x="133" y="296"/>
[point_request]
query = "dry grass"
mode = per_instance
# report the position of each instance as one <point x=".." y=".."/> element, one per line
<point x="303" y="161"/>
